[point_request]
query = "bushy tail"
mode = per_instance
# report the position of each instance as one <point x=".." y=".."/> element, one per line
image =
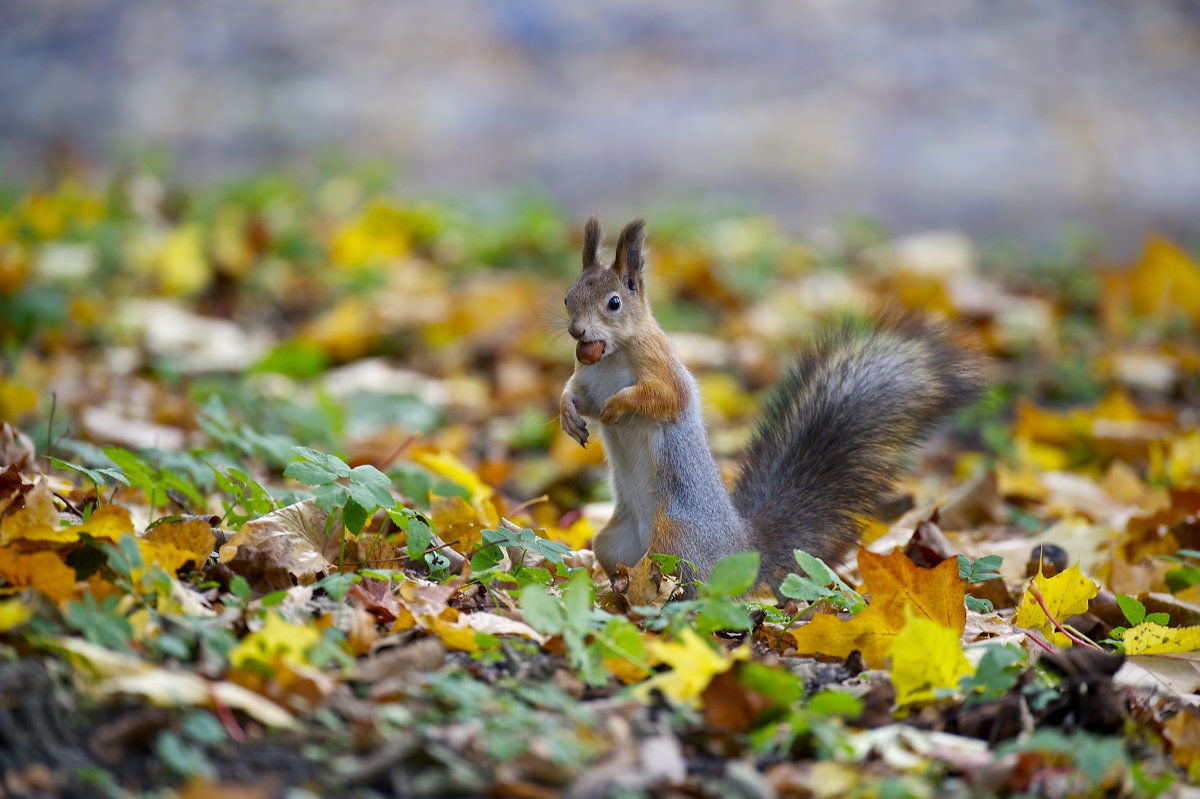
<point x="834" y="435"/>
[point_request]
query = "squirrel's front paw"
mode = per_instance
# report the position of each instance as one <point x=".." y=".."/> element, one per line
<point x="612" y="412"/>
<point x="572" y="422"/>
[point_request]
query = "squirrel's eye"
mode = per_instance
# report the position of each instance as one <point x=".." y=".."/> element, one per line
<point x="614" y="302"/>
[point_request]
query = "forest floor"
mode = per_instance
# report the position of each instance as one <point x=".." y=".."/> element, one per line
<point x="285" y="511"/>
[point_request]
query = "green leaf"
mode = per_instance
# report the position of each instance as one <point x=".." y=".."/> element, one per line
<point x="1134" y="610"/>
<point x="721" y="614"/>
<point x="239" y="586"/>
<point x="1159" y="618"/>
<point x="734" y="575"/>
<point x="355" y="516"/>
<point x="982" y="570"/>
<point x="420" y="537"/>
<point x="309" y="473"/>
<point x="368" y="475"/>
<point x="203" y="728"/>
<point x="330" y="496"/>
<point x="485" y="558"/>
<point x="541" y="611"/>
<point x="777" y="684"/>
<point x="331" y="463"/>
<point x="816" y="569"/>
<point x="836" y="703"/>
<point x="183" y="758"/>
<point x="667" y="564"/>
<point x="979" y="605"/>
<point x="578" y="599"/>
<point x="796" y="587"/>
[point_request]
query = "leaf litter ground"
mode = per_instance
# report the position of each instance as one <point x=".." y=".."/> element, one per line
<point x="284" y="511"/>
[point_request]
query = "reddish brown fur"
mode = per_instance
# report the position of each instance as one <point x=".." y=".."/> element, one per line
<point x="660" y="391"/>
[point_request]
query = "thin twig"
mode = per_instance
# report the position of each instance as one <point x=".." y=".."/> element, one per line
<point x="1037" y="594"/>
<point x="228" y="721"/>
<point x="1037" y="640"/>
<point x="528" y="502"/>
<point x="405" y="444"/>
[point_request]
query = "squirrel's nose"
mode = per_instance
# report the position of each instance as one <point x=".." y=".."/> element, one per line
<point x="575" y="329"/>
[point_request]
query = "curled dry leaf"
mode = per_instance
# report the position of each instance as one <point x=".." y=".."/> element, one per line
<point x="294" y="538"/>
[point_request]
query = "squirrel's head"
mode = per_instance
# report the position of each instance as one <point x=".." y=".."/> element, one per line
<point x="607" y="305"/>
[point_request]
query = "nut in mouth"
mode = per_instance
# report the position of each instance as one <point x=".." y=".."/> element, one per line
<point x="589" y="351"/>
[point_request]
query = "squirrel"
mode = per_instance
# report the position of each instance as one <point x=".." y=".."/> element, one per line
<point x="830" y="443"/>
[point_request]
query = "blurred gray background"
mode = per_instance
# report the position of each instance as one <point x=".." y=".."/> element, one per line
<point x="1006" y="119"/>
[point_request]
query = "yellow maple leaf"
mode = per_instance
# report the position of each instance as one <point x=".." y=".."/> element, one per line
<point x="278" y="642"/>
<point x="897" y="587"/>
<point x="1149" y="638"/>
<point x="926" y="656"/>
<point x="1065" y="594"/>
<point x="13" y="613"/>
<point x="693" y="665"/>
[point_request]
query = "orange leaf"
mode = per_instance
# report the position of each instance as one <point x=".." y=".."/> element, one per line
<point x="43" y="571"/>
<point x="193" y="536"/>
<point x="895" y="584"/>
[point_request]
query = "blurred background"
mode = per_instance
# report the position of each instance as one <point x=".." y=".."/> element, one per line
<point x="1010" y="122"/>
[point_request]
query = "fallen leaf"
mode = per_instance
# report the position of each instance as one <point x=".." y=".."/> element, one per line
<point x="119" y="673"/>
<point x="926" y="657"/>
<point x="194" y="537"/>
<point x="693" y="664"/>
<point x="294" y="537"/>
<point x="450" y="467"/>
<point x="277" y="642"/>
<point x="39" y="518"/>
<point x="13" y="613"/>
<point x="1065" y="594"/>
<point x="1149" y="638"/>
<point x="1183" y="731"/>
<point x="897" y="587"/>
<point x="43" y="571"/>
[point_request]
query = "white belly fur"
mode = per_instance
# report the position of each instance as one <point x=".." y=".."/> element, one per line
<point x="630" y="447"/>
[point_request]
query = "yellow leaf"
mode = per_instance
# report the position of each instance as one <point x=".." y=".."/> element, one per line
<point x="37" y="520"/>
<point x="693" y="664"/>
<point x="167" y="557"/>
<point x="450" y="467"/>
<point x="576" y="535"/>
<point x="453" y="629"/>
<point x="1180" y="463"/>
<point x="1165" y="279"/>
<point x="16" y="400"/>
<point x="278" y="642"/>
<point x="457" y="522"/>
<point x="108" y="521"/>
<point x="379" y="234"/>
<point x="1149" y="638"/>
<point x="192" y="536"/>
<point x="925" y="657"/>
<point x="181" y="268"/>
<point x="43" y="571"/>
<point x="1065" y="594"/>
<point x="13" y="613"/>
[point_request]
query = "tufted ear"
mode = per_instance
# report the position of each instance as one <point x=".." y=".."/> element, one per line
<point x="630" y="254"/>
<point x="591" y="244"/>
